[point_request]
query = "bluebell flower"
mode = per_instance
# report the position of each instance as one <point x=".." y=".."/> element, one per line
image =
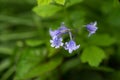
<point x="59" y="31"/>
<point x="56" y="42"/>
<point x="54" y="33"/>
<point x="91" y="28"/>
<point x="63" y="29"/>
<point x="70" y="46"/>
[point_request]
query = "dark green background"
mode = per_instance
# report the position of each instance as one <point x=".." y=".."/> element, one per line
<point x="26" y="54"/>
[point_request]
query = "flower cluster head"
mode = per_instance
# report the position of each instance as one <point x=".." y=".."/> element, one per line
<point x="59" y="31"/>
<point x="56" y="40"/>
<point x="56" y="37"/>
<point x="91" y="28"/>
<point x="71" y="45"/>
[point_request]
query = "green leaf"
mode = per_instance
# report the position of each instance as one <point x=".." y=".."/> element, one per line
<point x="29" y="58"/>
<point x="93" y="55"/>
<point x="73" y="2"/>
<point x="8" y="73"/>
<point x="4" y="64"/>
<point x="46" y="11"/>
<point x="104" y="68"/>
<point x="34" y="43"/>
<point x="6" y="50"/>
<point x="60" y="1"/>
<point x="49" y="10"/>
<point x="17" y="20"/>
<point x="102" y="40"/>
<point x="52" y="52"/>
<point x="44" y="2"/>
<point x="114" y="18"/>
<point x="44" y="68"/>
<point x="15" y="36"/>
<point x="116" y="3"/>
<point x="70" y="64"/>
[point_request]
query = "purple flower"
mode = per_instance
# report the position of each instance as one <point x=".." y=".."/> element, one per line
<point x="59" y="31"/>
<point x="70" y="46"/>
<point x="91" y="28"/>
<point x="56" y="42"/>
<point x="54" y="33"/>
<point x="63" y="29"/>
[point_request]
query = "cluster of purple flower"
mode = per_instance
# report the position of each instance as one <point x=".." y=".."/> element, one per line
<point x="56" y="36"/>
<point x="91" y="28"/>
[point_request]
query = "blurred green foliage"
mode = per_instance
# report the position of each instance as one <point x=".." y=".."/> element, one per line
<point x="25" y="51"/>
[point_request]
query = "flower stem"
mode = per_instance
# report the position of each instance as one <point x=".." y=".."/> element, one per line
<point x="70" y="35"/>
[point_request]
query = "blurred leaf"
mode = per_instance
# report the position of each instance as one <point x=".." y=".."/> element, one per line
<point x="102" y="40"/>
<point x="107" y="7"/>
<point x="77" y="18"/>
<point x="114" y="76"/>
<point x="60" y="1"/>
<point x="93" y="55"/>
<point x="50" y="10"/>
<point x="46" y="11"/>
<point x="16" y="20"/>
<point x="17" y="2"/>
<point x="104" y="68"/>
<point x="52" y="52"/>
<point x="117" y="55"/>
<point x="73" y="2"/>
<point x="34" y="43"/>
<point x="15" y="36"/>
<point x="90" y="75"/>
<point x="3" y="26"/>
<point x="116" y="3"/>
<point x="44" y="68"/>
<point x="114" y="17"/>
<point x="44" y="2"/>
<point x="4" y="64"/>
<point x="29" y="58"/>
<point x="70" y="64"/>
<point x="5" y="50"/>
<point x="8" y="73"/>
